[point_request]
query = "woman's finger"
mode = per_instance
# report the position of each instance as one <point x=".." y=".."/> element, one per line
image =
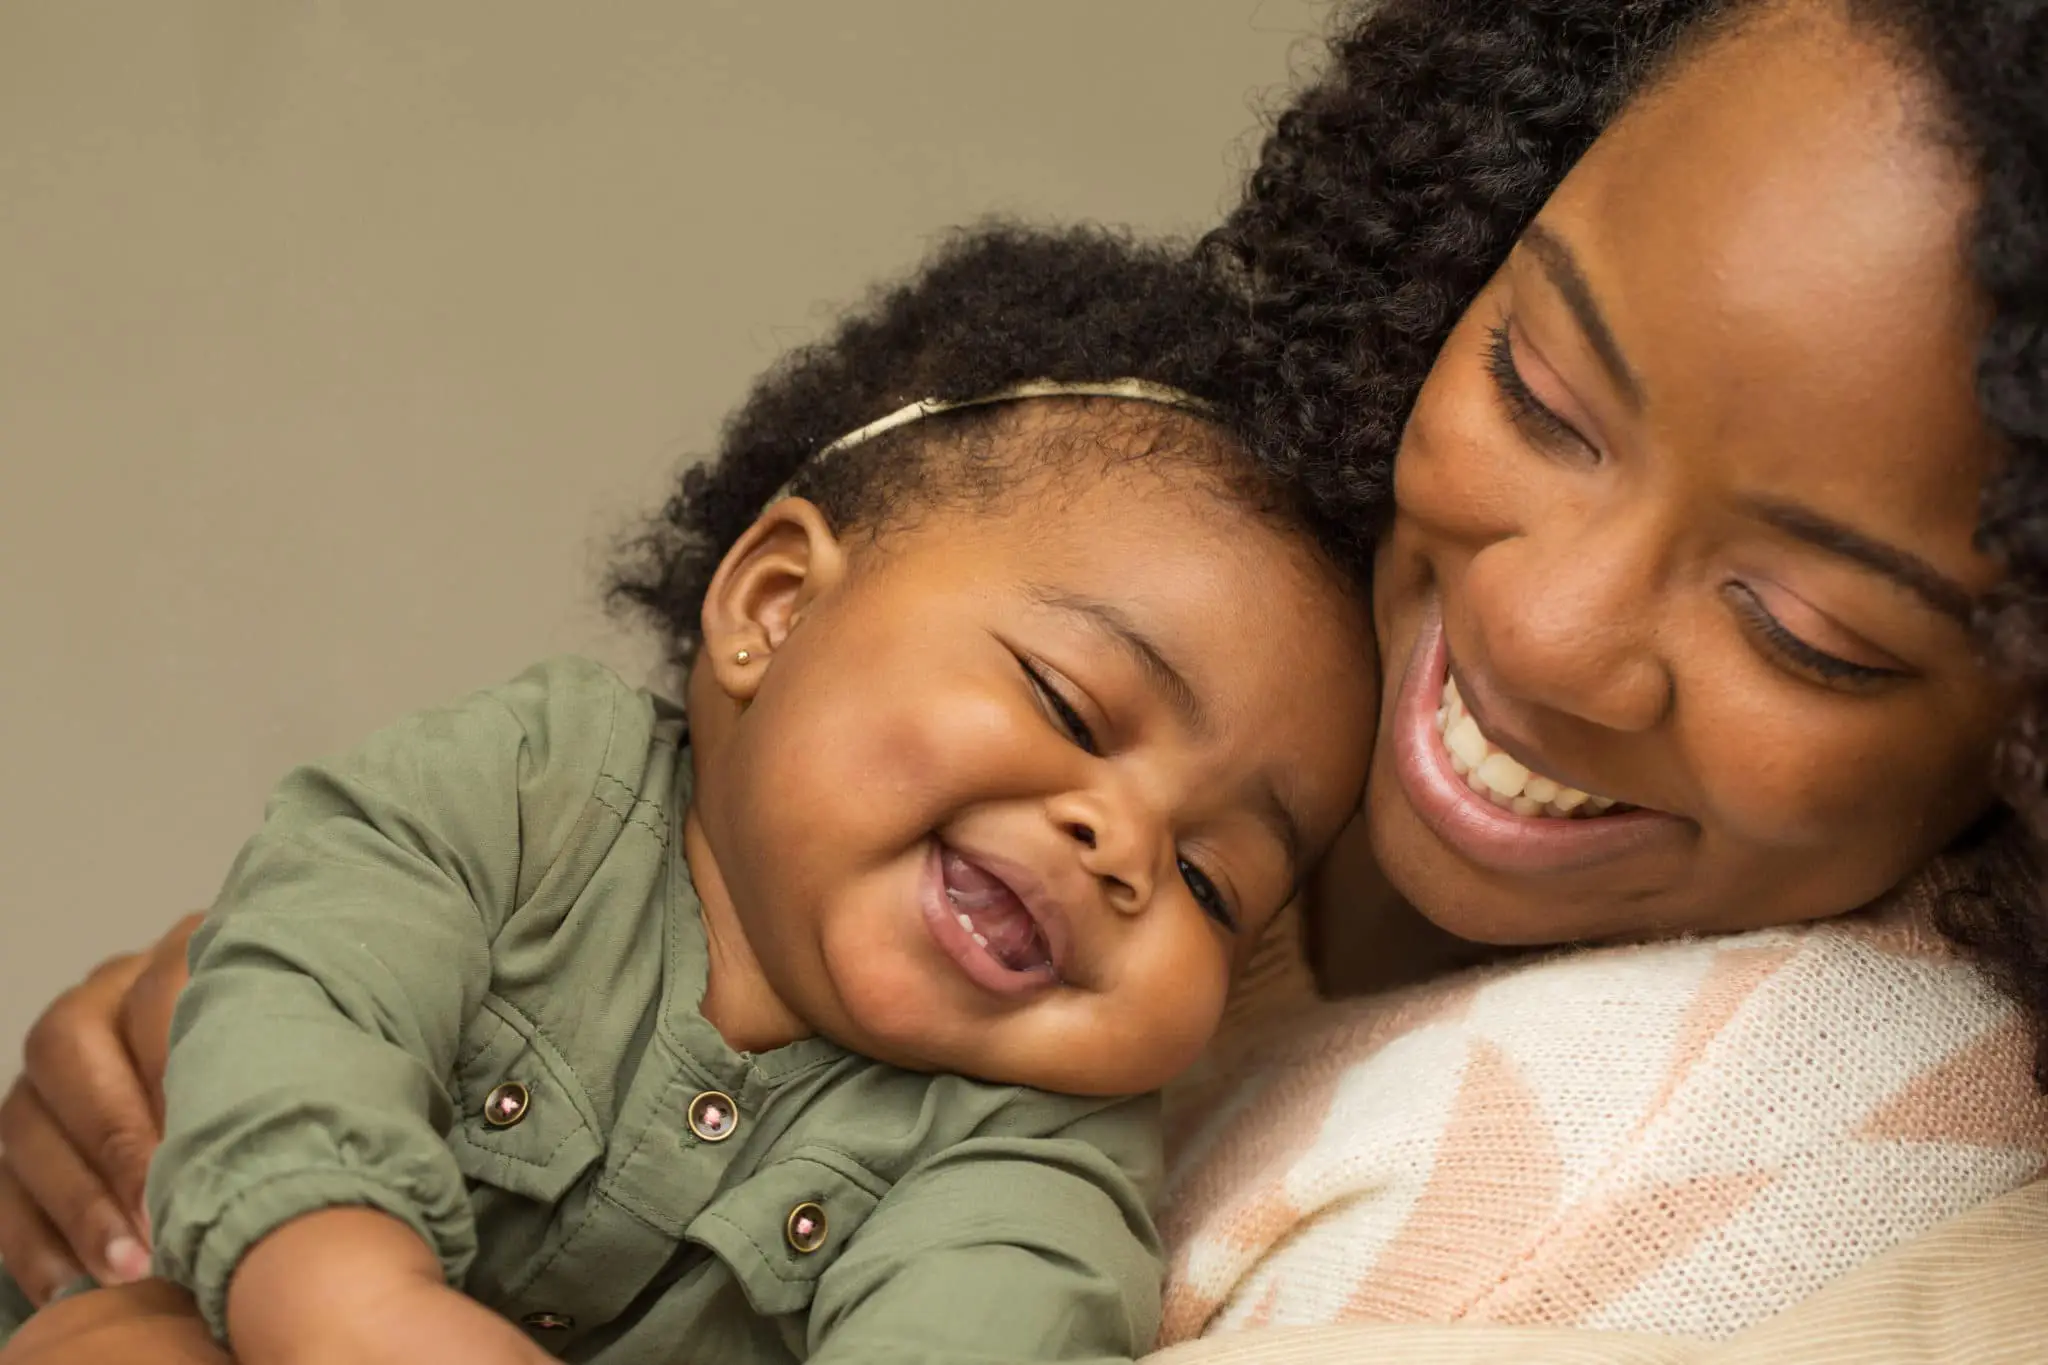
<point x="32" y="1249"/>
<point x="147" y="1005"/>
<point x="66" y="1191"/>
<point x="80" y="1070"/>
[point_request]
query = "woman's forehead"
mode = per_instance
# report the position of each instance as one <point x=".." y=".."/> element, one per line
<point x="1776" y="240"/>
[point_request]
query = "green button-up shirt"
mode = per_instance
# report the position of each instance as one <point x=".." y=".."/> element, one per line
<point x="456" y="977"/>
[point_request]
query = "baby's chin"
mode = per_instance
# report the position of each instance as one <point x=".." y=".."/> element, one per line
<point x="911" y="1013"/>
<point x="1004" y="1053"/>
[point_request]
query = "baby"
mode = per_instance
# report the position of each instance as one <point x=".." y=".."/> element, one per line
<point x="816" y="1019"/>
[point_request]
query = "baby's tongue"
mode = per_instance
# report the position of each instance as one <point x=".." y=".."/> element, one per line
<point x="986" y="907"/>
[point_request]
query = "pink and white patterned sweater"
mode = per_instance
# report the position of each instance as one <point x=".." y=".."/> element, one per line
<point x="1678" y="1138"/>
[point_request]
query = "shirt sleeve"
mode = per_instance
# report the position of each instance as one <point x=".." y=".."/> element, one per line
<point x="1005" y="1249"/>
<point x="351" y="943"/>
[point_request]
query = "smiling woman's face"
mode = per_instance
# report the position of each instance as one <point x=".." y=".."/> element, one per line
<point x="1685" y="518"/>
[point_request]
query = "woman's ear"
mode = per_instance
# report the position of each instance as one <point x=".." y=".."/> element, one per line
<point x="780" y="566"/>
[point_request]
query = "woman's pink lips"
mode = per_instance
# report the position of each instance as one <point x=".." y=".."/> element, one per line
<point x="980" y="965"/>
<point x="1473" y="827"/>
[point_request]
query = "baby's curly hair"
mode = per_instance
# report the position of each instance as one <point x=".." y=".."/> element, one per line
<point x="995" y="306"/>
<point x="1389" y="192"/>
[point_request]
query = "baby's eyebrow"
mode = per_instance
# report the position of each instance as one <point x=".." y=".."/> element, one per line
<point x="1278" y="816"/>
<point x="1110" y="622"/>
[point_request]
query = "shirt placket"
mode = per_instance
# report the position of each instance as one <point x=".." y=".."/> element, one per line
<point x="679" y="1134"/>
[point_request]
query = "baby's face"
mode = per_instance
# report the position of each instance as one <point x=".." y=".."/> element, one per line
<point x="1014" y="797"/>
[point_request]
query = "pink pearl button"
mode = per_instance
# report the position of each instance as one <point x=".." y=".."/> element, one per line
<point x="805" y="1230"/>
<point x="506" y="1104"/>
<point x="713" y="1116"/>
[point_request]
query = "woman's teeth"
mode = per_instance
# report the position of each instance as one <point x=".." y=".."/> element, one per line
<point x="1498" y="777"/>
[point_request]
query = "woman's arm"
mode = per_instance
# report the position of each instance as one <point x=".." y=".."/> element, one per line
<point x="79" y="1125"/>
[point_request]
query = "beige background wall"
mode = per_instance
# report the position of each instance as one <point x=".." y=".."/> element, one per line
<point x="337" y="338"/>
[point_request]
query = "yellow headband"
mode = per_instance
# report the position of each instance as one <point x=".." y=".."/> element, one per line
<point x="1135" y="390"/>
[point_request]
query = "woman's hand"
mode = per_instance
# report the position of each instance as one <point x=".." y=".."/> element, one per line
<point x="79" y="1125"/>
<point x="151" y="1322"/>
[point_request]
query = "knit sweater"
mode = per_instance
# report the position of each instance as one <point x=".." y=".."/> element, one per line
<point x="1684" y="1138"/>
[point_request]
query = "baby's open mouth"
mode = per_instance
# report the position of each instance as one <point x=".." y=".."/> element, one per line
<point x="992" y="915"/>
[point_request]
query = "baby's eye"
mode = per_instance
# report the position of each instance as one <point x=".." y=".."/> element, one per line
<point x="1063" y="711"/>
<point x="1212" y="901"/>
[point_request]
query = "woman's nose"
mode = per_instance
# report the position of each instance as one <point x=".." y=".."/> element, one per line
<point x="1570" y="627"/>
<point x="1114" y="843"/>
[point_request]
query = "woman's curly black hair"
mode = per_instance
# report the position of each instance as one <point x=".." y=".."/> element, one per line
<point x="994" y="306"/>
<point x="1391" y="190"/>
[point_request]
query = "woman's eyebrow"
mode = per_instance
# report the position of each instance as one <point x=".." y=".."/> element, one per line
<point x="1909" y="571"/>
<point x="1559" y="262"/>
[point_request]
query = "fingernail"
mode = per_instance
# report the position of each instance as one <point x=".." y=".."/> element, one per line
<point x="128" y="1259"/>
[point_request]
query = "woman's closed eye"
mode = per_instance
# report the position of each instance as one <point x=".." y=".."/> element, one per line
<point x="1536" y="419"/>
<point x="1795" y="654"/>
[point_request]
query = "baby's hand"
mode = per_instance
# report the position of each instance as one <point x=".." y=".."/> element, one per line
<point x="356" y="1287"/>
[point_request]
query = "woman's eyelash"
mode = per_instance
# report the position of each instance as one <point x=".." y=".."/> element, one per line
<point x="1801" y="655"/>
<point x="1213" y="902"/>
<point x="1070" y="719"/>
<point x="1524" y="408"/>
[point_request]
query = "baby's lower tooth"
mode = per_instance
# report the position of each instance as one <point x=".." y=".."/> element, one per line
<point x="1460" y="766"/>
<point x="982" y="941"/>
<point x="965" y="923"/>
<point x="1524" y="806"/>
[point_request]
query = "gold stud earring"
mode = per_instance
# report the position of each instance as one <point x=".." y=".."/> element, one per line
<point x="742" y="656"/>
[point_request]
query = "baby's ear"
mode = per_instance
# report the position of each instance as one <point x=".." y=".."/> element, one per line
<point x="782" y="564"/>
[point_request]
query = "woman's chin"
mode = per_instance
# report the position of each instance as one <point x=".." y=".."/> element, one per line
<point x="1487" y="908"/>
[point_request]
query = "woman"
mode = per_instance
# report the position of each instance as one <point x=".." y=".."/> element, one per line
<point x="1707" y="491"/>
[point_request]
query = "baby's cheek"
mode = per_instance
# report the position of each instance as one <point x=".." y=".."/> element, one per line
<point x="946" y="747"/>
<point x="1182" y="1007"/>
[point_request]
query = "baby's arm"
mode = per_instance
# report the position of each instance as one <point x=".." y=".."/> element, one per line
<point x="352" y="1286"/>
<point x="1005" y="1250"/>
<point x="304" y="1174"/>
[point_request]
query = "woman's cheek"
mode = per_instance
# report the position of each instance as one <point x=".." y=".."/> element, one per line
<point x="1803" y="775"/>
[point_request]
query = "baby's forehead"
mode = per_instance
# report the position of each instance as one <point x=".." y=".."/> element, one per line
<point x="1032" y="452"/>
<point x="1261" y="654"/>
